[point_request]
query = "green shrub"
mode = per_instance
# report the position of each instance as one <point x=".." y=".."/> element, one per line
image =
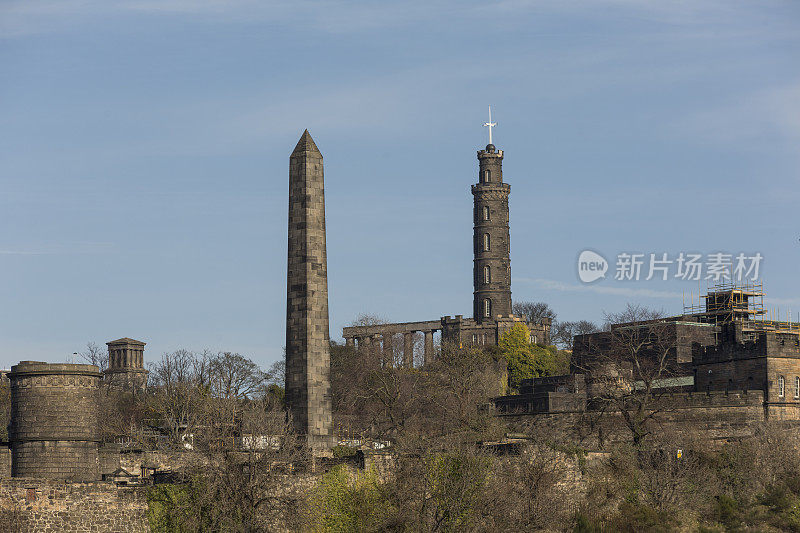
<point x="345" y="504"/>
<point x="163" y="504"/>
<point x="344" y="451"/>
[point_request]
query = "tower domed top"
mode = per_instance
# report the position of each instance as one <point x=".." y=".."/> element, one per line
<point x="490" y="148"/>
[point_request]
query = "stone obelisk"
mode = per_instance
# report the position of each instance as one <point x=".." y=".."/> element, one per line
<point x="308" y="387"/>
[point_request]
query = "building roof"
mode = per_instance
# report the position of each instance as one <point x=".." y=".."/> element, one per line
<point x="126" y="340"/>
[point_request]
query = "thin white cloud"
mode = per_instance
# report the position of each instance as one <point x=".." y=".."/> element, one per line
<point x="60" y="249"/>
<point x="758" y="119"/>
<point x="21" y="252"/>
<point x="22" y="17"/>
<point x="553" y="285"/>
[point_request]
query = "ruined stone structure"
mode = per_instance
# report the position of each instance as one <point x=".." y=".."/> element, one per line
<point x="54" y="421"/>
<point x="308" y="394"/>
<point x="380" y="338"/>
<point x="126" y="364"/>
<point x="492" y="314"/>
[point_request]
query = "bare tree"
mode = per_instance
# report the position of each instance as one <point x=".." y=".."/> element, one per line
<point x="95" y="355"/>
<point x="235" y="376"/>
<point x="563" y="333"/>
<point x="526" y="492"/>
<point x="276" y="374"/>
<point x="238" y="476"/>
<point x="535" y="312"/>
<point x="179" y="386"/>
<point x="367" y="319"/>
<point x="627" y="364"/>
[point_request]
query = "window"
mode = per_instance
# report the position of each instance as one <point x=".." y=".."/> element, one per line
<point x="796" y="387"/>
<point x="487" y="176"/>
<point x="486" y="212"/>
<point x="533" y="339"/>
<point x="483" y="338"/>
<point x="486" y="242"/>
<point x="487" y="274"/>
<point x="487" y="308"/>
<point x="781" y="387"/>
<point x="474" y="338"/>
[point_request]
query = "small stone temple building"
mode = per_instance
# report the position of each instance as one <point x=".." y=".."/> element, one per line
<point x="126" y="364"/>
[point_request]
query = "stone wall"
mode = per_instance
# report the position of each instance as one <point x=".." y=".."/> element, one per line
<point x="5" y="462"/>
<point x="715" y="416"/>
<point x="38" y="505"/>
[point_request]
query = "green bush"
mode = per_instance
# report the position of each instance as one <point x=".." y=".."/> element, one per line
<point x="344" y="451"/>
<point x="163" y="504"/>
<point x="345" y="504"/>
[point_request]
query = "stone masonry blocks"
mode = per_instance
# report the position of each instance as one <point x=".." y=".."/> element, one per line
<point x="308" y="395"/>
<point x="53" y="432"/>
<point x="491" y="238"/>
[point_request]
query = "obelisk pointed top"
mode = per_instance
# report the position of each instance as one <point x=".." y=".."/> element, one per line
<point x="306" y="144"/>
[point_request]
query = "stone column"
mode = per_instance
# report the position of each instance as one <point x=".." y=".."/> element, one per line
<point x="376" y="347"/>
<point x="364" y="343"/>
<point x="408" y="349"/>
<point x="428" y="347"/>
<point x="388" y="350"/>
<point x="308" y="394"/>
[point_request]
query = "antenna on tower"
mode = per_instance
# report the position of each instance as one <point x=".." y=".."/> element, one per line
<point x="490" y="124"/>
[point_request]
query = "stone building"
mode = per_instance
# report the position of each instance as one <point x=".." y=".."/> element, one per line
<point x="491" y="307"/>
<point x="308" y="387"/>
<point x="723" y="348"/>
<point x="53" y="431"/>
<point x="126" y="364"/>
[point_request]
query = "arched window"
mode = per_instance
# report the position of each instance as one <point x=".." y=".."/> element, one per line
<point x="796" y="387"/>
<point x="474" y="338"/>
<point x="486" y="212"/>
<point x="487" y="274"/>
<point x="486" y="242"/>
<point x="487" y="176"/>
<point x="487" y="308"/>
<point x="781" y="387"/>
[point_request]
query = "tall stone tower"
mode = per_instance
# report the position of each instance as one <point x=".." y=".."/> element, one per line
<point x="308" y="388"/>
<point x="491" y="239"/>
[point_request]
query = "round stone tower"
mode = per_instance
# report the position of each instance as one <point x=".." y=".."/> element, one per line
<point x="54" y="421"/>
<point x="491" y="239"/>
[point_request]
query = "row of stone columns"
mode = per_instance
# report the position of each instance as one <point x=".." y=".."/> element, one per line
<point x="126" y="358"/>
<point x="383" y="343"/>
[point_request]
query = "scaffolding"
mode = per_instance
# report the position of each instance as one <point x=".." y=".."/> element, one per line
<point x="741" y="302"/>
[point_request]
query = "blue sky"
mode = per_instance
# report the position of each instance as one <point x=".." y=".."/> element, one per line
<point x="144" y="156"/>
